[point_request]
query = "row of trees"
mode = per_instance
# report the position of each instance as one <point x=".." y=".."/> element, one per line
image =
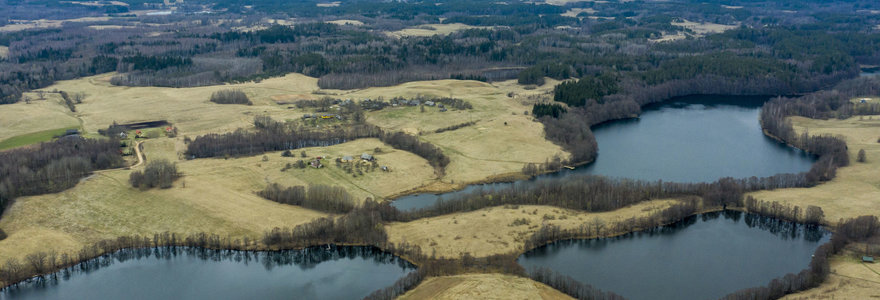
<point x="433" y="154"/>
<point x="331" y="199"/>
<point x="273" y="136"/>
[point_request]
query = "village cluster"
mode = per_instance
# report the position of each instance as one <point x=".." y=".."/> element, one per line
<point x="356" y="166"/>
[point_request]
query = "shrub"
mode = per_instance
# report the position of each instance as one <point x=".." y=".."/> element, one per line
<point x="159" y="173"/>
<point x="230" y="97"/>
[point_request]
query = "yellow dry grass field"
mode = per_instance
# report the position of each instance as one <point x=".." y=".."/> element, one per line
<point x="40" y="115"/>
<point x="453" y="235"/>
<point x="329" y="4"/>
<point x="19" y="25"/>
<point x="856" y="189"/>
<point x="480" y="151"/>
<point x="213" y="199"/>
<point x="482" y="286"/>
<point x="189" y="109"/>
<point x="849" y="279"/>
<point x="407" y="169"/>
<point x="347" y="22"/>
<point x="432" y="29"/>
<point x="486" y="149"/>
<point x="565" y="2"/>
<point x="4" y="52"/>
<point x="668" y="37"/>
<point x="109" y="27"/>
<point x="574" y="12"/>
<point x="97" y="3"/>
<point x="703" y="28"/>
<point x="214" y="196"/>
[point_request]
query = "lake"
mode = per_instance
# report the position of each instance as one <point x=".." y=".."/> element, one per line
<point x="688" y="139"/>
<point x="196" y="273"/>
<point x="703" y="257"/>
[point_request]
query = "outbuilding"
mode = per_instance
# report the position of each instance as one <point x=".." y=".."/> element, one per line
<point x="868" y="259"/>
<point x="367" y="157"/>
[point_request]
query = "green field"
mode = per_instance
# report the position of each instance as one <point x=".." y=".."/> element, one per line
<point x="32" y="138"/>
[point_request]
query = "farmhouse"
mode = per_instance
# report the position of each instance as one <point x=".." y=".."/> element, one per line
<point x="367" y="157"/>
<point x="347" y="158"/>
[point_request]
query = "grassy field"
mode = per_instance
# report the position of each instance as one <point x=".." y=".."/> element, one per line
<point x="347" y="22"/>
<point x="482" y="286"/>
<point x="454" y="234"/>
<point x="431" y="30"/>
<point x="850" y="278"/>
<point x="574" y="12"/>
<point x="20" y="25"/>
<point x="501" y="142"/>
<point x="187" y="108"/>
<point x="703" y="28"/>
<point x="21" y="119"/>
<point x="856" y="189"/>
<point x="4" y="52"/>
<point x="32" y="138"/>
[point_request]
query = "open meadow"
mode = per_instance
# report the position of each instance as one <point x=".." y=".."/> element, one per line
<point x="432" y="29"/>
<point x="503" y="229"/>
<point x="482" y="286"/>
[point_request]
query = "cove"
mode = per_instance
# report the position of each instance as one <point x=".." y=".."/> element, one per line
<point x="688" y="139"/>
<point x="702" y="257"/>
<point x="196" y="273"/>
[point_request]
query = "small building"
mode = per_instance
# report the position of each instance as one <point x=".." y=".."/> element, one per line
<point x="429" y="103"/>
<point x="316" y="164"/>
<point x="443" y="109"/>
<point x="386" y="169"/>
<point x="440" y="105"/>
<point x="123" y="135"/>
<point x="864" y="100"/>
<point x="367" y="157"/>
<point x="413" y="102"/>
<point x="868" y="259"/>
<point x="347" y="158"/>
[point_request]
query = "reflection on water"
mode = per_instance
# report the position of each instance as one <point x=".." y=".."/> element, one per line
<point x="329" y="272"/>
<point x="701" y="257"/>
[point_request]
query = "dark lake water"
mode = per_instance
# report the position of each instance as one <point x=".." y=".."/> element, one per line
<point x="195" y="273"/>
<point x="689" y="139"/>
<point x="702" y="257"/>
